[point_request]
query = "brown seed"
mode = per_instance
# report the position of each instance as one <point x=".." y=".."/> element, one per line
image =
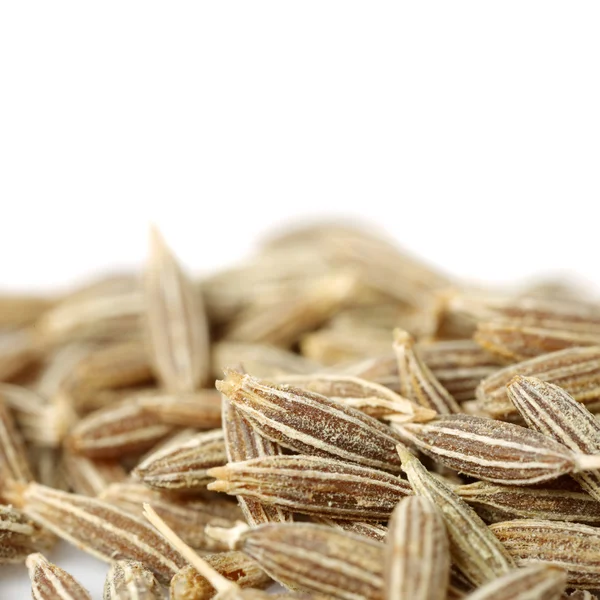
<point x="49" y="582"/>
<point x="369" y="397"/>
<point x="417" y="560"/>
<point x="538" y="582"/>
<point x="576" y="370"/>
<point x="552" y="411"/>
<point x="314" y="558"/>
<point x="515" y="340"/>
<point x="532" y="502"/>
<point x="374" y="531"/>
<point x="130" y="580"/>
<point x="242" y="442"/>
<point x="490" y="450"/>
<point x="574" y="547"/>
<point x="314" y="485"/>
<point x="90" y="477"/>
<point x="176" y="322"/>
<point x="99" y="528"/>
<point x="475" y="551"/>
<point x="18" y="310"/>
<point x="13" y="454"/>
<point x="183" y="466"/>
<point x="18" y="350"/>
<point x="186" y="516"/>
<point x="123" y="428"/>
<point x="312" y="424"/>
<point x="417" y="382"/>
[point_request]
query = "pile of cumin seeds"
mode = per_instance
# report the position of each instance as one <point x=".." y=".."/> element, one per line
<point x="333" y="415"/>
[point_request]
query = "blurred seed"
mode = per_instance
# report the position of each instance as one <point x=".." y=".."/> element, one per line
<point x="49" y="582"/>
<point x="18" y="351"/>
<point x="130" y="580"/>
<point x="14" y="463"/>
<point x="90" y="477"/>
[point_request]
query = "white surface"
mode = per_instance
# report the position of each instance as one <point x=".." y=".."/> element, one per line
<point x="468" y="130"/>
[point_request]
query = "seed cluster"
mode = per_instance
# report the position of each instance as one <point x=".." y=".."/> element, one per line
<point x="333" y="415"/>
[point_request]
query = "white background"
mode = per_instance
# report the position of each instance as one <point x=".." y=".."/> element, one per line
<point x="468" y="130"/>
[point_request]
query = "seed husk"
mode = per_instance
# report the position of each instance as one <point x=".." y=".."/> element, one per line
<point x="130" y="580"/>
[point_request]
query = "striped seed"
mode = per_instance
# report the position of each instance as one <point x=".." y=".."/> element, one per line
<point x="14" y="463"/>
<point x="242" y="442"/>
<point x="572" y="546"/>
<point x="183" y="466"/>
<point x="552" y="411"/>
<point x="314" y="485"/>
<point x="537" y="582"/>
<point x="475" y="551"/>
<point x="176" y="323"/>
<point x="90" y="477"/>
<point x="314" y="558"/>
<point x="417" y="382"/>
<point x="312" y="424"/>
<point x="417" y="558"/>
<point x="374" y="531"/>
<point x="491" y="450"/>
<point x="49" y="582"/>
<point x="187" y="516"/>
<point x="116" y="430"/>
<point x="532" y="502"/>
<point x="369" y="397"/>
<point x="576" y="370"/>
<point x="130" y="580"/>
<point x="99" y="528"/>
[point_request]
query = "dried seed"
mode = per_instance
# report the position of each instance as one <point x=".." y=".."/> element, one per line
<point x="176" y="322"/>
<point x="369" y="397"/>
<point x="532" y="502"/>
<point x="184" y="466"/>
<point x="313" y="485"/>
<point x="49" y="582"/>
<point x="417" y="382"/>
<point x="17" y="352"/>
<point x="111" y="432"/>
<point x="514" y="340"/>
<point x="99" y="528"/>
<point x="242" y="442"/>
<point x="200" y="409"/>
<point x="186" y="516"/>
<point x="576" y="370"/>
<point x="282" y="323"/>
<point x="538" y="582"/>
<point x="90" y="477"/>
<point x="19" y="536"/>
<point x="550" y="410"/>
<point x="13" y="455"/>
<point x="259" y="359"/>
<point x="188" y="584"/>
<point x="315" y="558"/>
<point x="490" y="450"/>
<point x="374" y="531"/>
<point x="130" y="580"/>
<point x="112" y="367"/>
<point x="459" y="365"/>
<point x="475" y="551"/>
<point x="417" y="560"/>
<point x="574" y="547"/>
<point x="312" y="424"/>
